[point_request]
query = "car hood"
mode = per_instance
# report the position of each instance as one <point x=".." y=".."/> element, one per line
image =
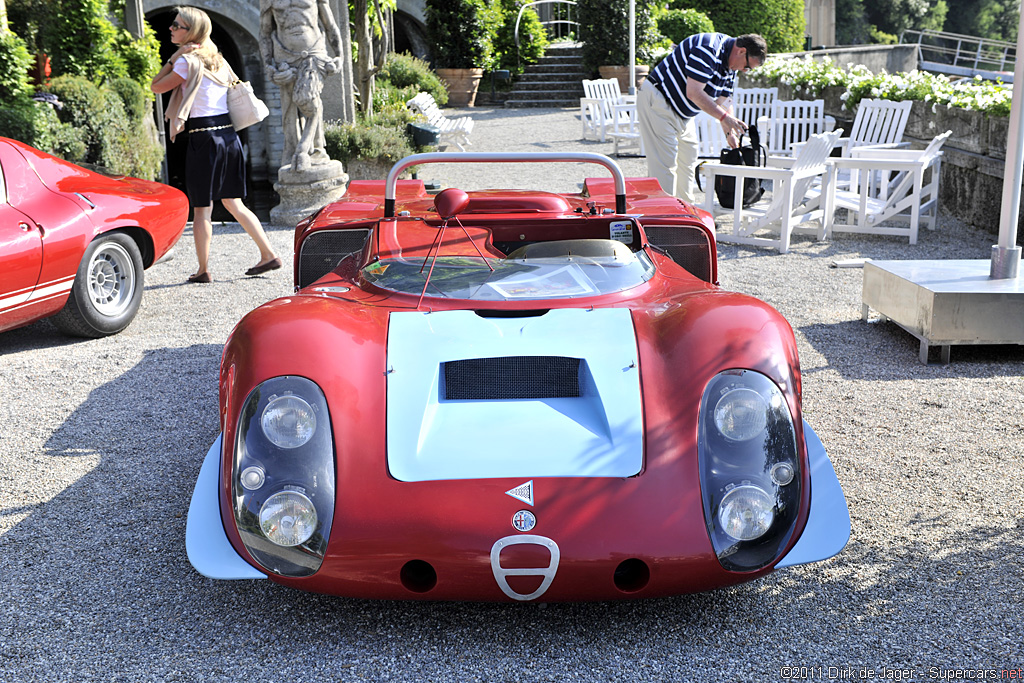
<point x="473" y="397"/>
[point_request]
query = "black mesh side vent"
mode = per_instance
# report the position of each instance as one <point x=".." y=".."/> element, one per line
<point x="322" y="251"/>
<point x="689" y="247"/>
<point x="511" y="378"/>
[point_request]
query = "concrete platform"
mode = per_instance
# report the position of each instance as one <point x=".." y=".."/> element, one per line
<point x="944" y="303"/>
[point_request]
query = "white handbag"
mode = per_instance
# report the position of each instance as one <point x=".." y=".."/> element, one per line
<point x="244" y="107"/>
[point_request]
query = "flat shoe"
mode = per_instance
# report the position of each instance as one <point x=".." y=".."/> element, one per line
<point x="200" y="277"/>
<point x="273" y="264"/>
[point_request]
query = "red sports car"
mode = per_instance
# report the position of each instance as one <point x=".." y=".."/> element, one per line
<point x="511" y="395"/>
<point x="74" y="243"/>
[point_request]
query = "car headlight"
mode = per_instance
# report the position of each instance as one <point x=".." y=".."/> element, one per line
<point x="749" y="467"/>
<point x="283" y="476"/>
<point x="288" y="421"/>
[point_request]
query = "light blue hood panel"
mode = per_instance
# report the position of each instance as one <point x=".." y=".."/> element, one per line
<point x="598" y="434"/>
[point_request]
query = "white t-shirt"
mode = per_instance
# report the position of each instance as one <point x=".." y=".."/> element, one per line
<point x="211" y="98"/>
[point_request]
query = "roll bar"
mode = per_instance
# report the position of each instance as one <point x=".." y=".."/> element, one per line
<point x="502" y="157"/>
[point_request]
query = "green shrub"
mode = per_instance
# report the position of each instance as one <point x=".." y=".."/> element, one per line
<point x="604" y="30"/>
<point x="456" y="29"/>
<point x="679" y="24"/>
<point x="136" y="103"/>
<point x="112" y="137"/>
<point x="533" y="38"/>
<point x="781" y="22"/>
<point x="14" y="65"/>
<point x="36" y="124"/>
<point x="347" y="141"/>
<point x="404" y="71"/>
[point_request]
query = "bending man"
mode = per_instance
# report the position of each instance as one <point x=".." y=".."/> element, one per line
<point x="698" y="75"/>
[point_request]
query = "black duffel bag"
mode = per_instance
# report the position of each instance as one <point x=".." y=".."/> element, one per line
<point x="744" y="155"/>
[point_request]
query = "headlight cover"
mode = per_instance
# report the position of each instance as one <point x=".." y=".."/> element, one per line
<point x="749" y="467"/>
<point x="283" y="476"/>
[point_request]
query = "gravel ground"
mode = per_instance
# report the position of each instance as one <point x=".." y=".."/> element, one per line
<point x="102" y="441"/>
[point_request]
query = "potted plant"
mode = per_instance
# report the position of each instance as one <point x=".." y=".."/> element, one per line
<point x="604" y="30"/>
<point x="461" y="46"/>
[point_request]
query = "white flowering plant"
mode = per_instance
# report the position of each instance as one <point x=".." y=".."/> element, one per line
<point x="806" y="75"/>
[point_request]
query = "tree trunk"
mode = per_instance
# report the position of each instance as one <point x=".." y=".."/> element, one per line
<point x="364" y="59"/>
<point x="348" y="85"/>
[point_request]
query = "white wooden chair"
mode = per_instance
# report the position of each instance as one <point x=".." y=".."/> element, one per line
<point x="896" y="190"/>
<point x="791" y="122"/>
<point x="710" y="137"/>
<point x="790" y="205"/>
<point x="625" y="131"/>
<point x="750" y="104"/>
<point x="453" y="131"/>
<point x="601" y="106"/>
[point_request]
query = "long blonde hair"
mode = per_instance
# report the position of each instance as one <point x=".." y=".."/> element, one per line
<point x="199" y="29"/>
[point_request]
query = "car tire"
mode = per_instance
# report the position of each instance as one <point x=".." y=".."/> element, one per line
<point x="107" y="290"/>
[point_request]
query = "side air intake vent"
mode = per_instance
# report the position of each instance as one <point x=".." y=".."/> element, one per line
<point x="688" y="246"/>
<point x="322" y="251"/>
<point x="511" y="378"/>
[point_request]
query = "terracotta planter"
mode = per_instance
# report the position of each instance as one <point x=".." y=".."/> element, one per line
<point x="462" y="85"/>
<point x="621" y="74"/>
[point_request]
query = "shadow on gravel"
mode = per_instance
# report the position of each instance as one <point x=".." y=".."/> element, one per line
<point x="101" y="568"/>
<point x="894" y="354"/>
<point x="39" y="335"/>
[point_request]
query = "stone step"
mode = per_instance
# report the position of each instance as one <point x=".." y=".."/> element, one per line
<point x="571" y="85"/>
<point x="555" y="81"/>
<point x="550" y="93"/>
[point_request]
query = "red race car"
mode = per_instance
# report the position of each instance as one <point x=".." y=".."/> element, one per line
<point x="511" y="395"/>
<point x="74" y="243"/>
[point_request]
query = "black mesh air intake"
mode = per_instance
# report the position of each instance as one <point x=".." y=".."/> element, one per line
<point x="688" y="246"/>
<point x="322" y="251"/>
<point x="511" y="378"/>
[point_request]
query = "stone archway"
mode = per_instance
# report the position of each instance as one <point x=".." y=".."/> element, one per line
<point x="411" y="36"/>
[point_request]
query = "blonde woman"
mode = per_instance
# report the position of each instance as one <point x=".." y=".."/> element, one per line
<point x="214" y="164"/>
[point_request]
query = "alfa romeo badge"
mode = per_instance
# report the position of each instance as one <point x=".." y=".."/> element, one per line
<point x="524" y="520"/>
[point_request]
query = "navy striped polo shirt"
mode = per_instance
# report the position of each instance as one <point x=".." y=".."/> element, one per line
<point x="704" y="56"/>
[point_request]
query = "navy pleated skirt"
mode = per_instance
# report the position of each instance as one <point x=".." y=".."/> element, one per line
<point x="214" y="164"/>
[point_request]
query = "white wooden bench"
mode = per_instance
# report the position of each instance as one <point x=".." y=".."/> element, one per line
<point x="454" y="131"/>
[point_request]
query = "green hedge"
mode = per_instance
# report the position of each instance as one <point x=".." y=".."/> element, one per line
<point x="604" y="30"/>
<point x="402" y="70"/>
<point x="361" y="140"/>
<point x="679" y="24"/>
<point x="116" y="131"/>
<point x="533" y="38"/>
<point x="781" y="22"/>
<point x="458" y="33"/>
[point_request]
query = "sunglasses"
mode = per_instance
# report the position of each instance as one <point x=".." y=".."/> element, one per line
<point x="175" y="26"/>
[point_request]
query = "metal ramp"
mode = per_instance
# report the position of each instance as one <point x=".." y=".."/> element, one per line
<point x="965" y="56"/>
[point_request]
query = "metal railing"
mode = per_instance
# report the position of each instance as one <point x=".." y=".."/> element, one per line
<point x="561" y="18"/>
<point x="959" y="55"/>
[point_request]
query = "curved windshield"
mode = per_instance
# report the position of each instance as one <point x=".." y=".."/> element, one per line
<point x="527" y="273"/>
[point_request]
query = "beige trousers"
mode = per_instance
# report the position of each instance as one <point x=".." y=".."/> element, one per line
<point x="669" y="141"/>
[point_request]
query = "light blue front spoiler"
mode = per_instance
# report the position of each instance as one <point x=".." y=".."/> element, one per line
<point x="206" y="542"/>
<point x="211" y="553"/>
<point x="828" y="525"/>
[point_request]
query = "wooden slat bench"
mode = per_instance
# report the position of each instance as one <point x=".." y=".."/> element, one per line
<point x="454" y="131"/>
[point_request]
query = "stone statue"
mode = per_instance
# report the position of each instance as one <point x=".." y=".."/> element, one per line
<point x="293" y="37"/>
